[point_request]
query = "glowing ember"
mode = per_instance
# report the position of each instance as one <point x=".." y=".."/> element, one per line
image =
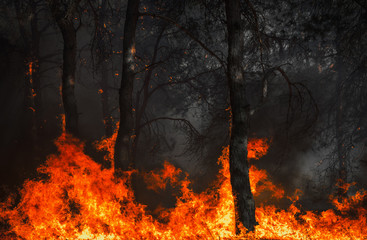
<point x="77" y="199"/>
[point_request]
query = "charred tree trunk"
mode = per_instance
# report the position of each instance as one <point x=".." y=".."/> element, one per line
<point x="36" y="78"/>
<point x="107" y="118"/>
<point x="103" y="55"/>
<point x="126" y="133"/>
<point x="30" y="109"/>
<point x="68" y="77"/>
<point x="64" y="16"/>
<point x="32" y="99"/>
<point x="239" y="169"/>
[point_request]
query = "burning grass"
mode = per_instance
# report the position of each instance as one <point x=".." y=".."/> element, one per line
<point x="80" y="200"/>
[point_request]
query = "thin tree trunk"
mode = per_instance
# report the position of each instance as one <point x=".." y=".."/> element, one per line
<point x="64" y="18"/>
<point x="68" y="77"/>
<point x="30" y="108"/>
<point x="104" y="60"/>
<point x="107" y="118"/>
<point x="36" y="78"/>
<point x="244" y="202"/>
<point x="32" y="97"/>
<point x="124" y="141"/>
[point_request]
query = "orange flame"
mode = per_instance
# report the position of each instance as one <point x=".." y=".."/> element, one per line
<point x="257" y="147"/>
<point x="77" y="199"/>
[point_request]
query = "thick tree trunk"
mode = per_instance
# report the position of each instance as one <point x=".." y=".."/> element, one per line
<point x="244" y="202"/>
<point x="124" y="141"/>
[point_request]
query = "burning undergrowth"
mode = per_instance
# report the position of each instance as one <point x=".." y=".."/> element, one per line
<point x="78" y="199"/>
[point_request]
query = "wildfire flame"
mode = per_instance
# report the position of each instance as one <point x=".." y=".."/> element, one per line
<point x="75" y="198"/>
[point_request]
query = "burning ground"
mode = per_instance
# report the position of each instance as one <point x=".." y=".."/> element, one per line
<point x="75" y="198"/>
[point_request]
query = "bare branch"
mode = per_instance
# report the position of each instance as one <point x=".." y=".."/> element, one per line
<point x="182" y="120"/>
<point x="178" y="82"/>
<point x="188" y="33"/>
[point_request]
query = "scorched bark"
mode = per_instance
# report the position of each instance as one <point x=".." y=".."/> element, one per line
<point x="64" y="16"/>
<point x="124" y="141"/>
<point x="244" y="202"/>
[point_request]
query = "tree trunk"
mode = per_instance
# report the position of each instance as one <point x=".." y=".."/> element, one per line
<point x="64" y="17"/>
<point x="104" y="60"/>
<point x="36" y="78"/>
<point x="68" y="77"/>
<point x="124" y="141"/>
<point x="30" y="122"/>
<point x="244" y="202"/>
<point x="32" y="98"/>
<point x="107" y="118"/>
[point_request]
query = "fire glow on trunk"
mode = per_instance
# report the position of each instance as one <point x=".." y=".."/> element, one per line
<point x="77" y="199"/>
